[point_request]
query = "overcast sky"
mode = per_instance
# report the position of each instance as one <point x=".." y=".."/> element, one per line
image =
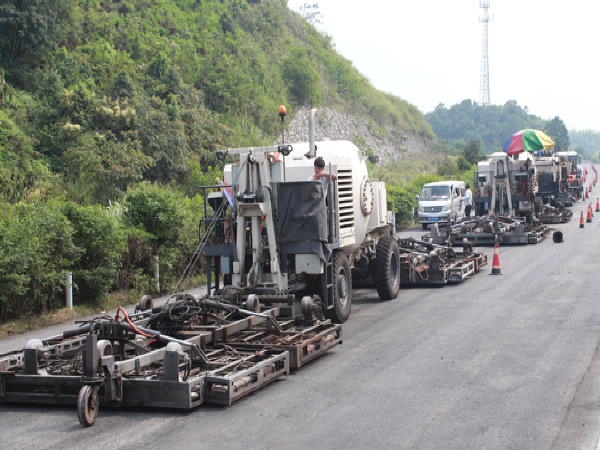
<point x="542" y="53"/>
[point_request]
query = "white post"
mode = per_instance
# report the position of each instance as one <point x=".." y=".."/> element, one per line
<point x="69" y="292"/>
<point x="156" y="274"/>
<point x="412" y="217"/>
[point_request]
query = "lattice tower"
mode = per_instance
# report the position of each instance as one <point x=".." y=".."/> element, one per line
<point x="484" y="83"/>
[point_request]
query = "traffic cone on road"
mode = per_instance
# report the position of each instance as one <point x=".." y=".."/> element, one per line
<point x="597" y="205"/>
<point x="581" y="223"/>
<point x="496" y="263"/>
<point x="589" y="215"/>
<point x="585" y="194"/>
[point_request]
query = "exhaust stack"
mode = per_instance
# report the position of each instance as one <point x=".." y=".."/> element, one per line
<point x="312" y="149"/>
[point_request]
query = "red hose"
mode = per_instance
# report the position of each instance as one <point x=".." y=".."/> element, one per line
<point x="129" y="322"/>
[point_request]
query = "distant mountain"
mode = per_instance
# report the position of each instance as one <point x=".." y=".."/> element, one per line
<point x="588" y="140"/>
<point x="493" y="124"/>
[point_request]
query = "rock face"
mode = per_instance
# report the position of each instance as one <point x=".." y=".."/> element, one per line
<point x="388" y="143"/>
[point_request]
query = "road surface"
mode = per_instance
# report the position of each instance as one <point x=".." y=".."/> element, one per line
<point x="507" y="361"/>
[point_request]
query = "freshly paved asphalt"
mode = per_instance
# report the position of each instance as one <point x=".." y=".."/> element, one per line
<point x="497" y="362"/>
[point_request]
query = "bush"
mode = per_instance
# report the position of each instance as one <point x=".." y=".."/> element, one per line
<point x="302" y="78"/>
<point x="36" y="251"/>
<point x="156" y="215"/>
<point x="157" y="210"/>
<point x="101" y="243"/>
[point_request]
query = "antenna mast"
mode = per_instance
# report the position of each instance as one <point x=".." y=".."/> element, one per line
<point x="484" y="83"/>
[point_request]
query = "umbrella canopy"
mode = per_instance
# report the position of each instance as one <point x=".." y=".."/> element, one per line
<point x="527" y="141"/>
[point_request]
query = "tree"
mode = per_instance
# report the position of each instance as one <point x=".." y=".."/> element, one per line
<point x="462" y="163"/>
<point x="157" y="211"/>
<point x="31" y="28"/>
<point x="122" y="86"/>
<point x="302" y="78"/>
<point x="557" y="130"/>
<point x="472" y="152"/>
<point x="447" y="168"/>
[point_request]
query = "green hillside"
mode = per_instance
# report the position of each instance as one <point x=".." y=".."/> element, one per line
<point x="110" y="115"/>
<point x="492" y="125"/>
<point x="586" y="142"/>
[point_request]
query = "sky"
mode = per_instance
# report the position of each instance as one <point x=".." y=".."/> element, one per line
<point x="542" y="53"/>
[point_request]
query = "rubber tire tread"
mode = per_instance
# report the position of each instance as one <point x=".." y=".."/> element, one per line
<point x="339" y="313"/>
<point x="87" y="405"/>
<point x="387" y="247"/>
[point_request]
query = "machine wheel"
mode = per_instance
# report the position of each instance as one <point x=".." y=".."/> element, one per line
<point x="87" y="405"/>
<point x="424" y="226"/>
<point x="342" y="288"/>
<point x="386" y="273"/>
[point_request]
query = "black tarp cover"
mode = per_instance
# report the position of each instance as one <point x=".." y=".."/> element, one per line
<point x="302" y="212"/>
<point x="302" y="215"/>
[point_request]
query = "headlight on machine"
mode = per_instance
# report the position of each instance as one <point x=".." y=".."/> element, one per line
<point x="420" y="209"/>
<point x="447" y="207"/>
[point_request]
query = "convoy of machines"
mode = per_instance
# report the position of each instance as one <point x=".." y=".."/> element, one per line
<point x="288" y="251"/>
<point x="514" y="196"/>
<point x="524" y="184"/>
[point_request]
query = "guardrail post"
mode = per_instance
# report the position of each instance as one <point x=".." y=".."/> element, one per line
<point x="69" y="290"/>
<point x="156" y="274"/>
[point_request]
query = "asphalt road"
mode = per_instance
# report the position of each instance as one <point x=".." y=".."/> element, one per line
<point x="497" y="362"/>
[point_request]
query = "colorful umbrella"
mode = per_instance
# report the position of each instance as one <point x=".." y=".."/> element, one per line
<point x="528" y="141"/>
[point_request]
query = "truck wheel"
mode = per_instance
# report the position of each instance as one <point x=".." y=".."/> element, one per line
<point x="386" y="273"/>
<point x="342" y="288"/>
<point x="424" y="225"/>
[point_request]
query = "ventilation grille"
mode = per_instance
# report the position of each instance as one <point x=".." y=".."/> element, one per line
<point x="346" y="201"/>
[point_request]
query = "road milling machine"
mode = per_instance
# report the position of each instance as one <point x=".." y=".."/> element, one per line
<point x="280" y="238"/>
<point x="528" y="186"/>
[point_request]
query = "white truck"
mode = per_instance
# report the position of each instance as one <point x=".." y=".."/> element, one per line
<point x="441" y="203"/>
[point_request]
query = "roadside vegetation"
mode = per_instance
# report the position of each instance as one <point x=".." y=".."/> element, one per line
<point x="110" y="117"/>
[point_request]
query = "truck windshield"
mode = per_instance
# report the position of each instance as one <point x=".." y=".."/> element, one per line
<point x="433" y="193"/>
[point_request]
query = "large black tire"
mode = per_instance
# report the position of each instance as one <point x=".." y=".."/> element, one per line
<point x="424" y="226"/>
<point x="342" y="288"/>
<point x="386" y="273"/>
<point x="87" y="405"/>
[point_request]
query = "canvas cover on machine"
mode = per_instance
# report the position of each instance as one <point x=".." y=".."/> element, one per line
<point x="302" y="212"/>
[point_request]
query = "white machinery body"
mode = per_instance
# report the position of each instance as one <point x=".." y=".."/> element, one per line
<point x="362" y="202"/>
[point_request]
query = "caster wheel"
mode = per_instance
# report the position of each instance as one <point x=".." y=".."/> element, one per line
<point x="87" y="405"/>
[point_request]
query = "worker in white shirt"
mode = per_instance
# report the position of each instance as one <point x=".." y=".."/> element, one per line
<point x="468" y="201"/>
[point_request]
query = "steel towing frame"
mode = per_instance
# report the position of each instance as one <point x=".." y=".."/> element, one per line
<point x="483" y="231"/>
<point x="424" y="262"/>
<point x="79" y="368"/>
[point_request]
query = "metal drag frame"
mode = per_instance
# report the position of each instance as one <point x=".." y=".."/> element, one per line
<point x="214" y="364"/>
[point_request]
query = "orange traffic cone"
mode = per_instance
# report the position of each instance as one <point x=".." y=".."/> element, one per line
<point x="597" y="205"/>
<point x="585" y="194"/>
<point x="496" y="263"/>
<point x="581" y="223"/>
<point x="589" y="215"/>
